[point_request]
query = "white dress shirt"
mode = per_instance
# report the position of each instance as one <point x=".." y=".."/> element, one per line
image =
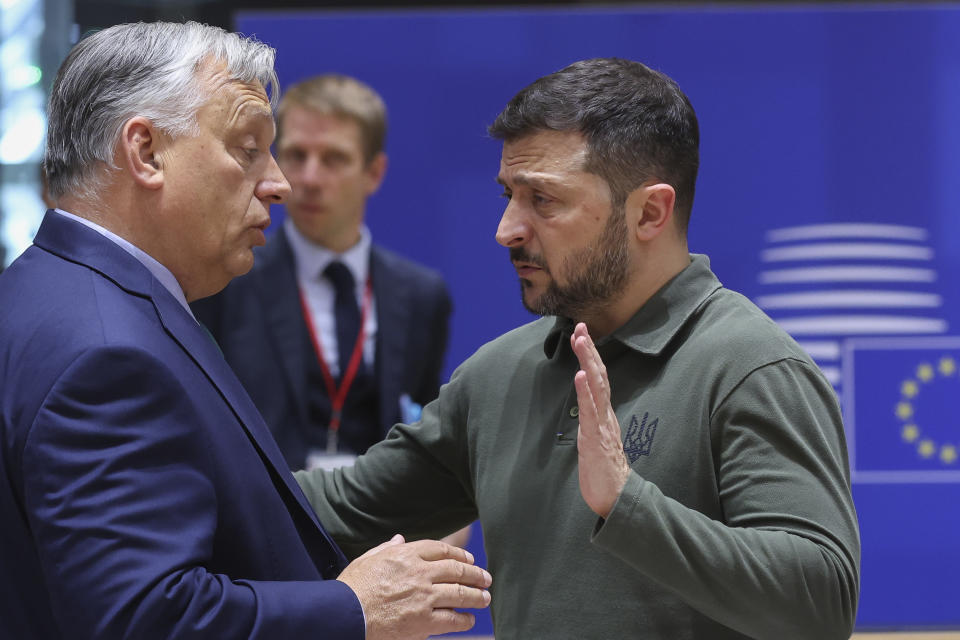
<point x="310" y="261"/>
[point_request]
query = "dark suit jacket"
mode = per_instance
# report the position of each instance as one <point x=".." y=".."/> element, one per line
<point x="258" y="322"/>
<point x="141" y="494"/>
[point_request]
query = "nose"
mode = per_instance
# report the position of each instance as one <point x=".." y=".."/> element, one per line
<point x="310" y="174"/>
<point x="273" y="188"/>
<point x="513" y="230"/>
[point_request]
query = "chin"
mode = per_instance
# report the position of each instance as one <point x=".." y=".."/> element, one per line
<point x="241" y="265"/>
<point x="531" y="302"/>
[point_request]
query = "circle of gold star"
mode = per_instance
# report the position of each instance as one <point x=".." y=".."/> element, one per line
<point x="910" y="433"/>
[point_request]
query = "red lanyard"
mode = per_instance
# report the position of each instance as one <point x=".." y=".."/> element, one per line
<point x="338" y="395"/>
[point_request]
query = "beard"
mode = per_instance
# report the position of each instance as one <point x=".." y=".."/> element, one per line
<point x="594" y="275"/>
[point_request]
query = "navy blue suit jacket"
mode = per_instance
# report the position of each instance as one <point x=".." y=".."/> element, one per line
<point x="141" y="494"/>
<point x="258" y="322"/>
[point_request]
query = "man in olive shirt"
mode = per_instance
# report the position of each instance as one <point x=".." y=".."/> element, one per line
<point x="654" y="458"/>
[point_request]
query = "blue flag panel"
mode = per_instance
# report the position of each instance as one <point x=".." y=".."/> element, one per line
<point x="902" y="404"/>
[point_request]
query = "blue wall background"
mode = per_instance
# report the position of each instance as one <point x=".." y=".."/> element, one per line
<point x="808" y="116"/>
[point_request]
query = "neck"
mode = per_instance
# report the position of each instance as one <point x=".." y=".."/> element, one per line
<point x="342" y="243"/>
<point x="136" y="220"/>
<point x="337" y="240"/>
<point x="100" y="213"/>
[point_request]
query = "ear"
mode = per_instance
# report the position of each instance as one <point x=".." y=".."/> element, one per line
<point x="375" y="170"/>
<point x="139" y="152"/>
<point x="650" y="209"/>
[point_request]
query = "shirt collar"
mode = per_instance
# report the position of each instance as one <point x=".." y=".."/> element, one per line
<point x="159" y="271"/>
<point x="311" y="259"/>
<point x="655" y="324"/>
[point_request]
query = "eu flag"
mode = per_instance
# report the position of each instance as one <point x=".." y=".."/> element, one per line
<point x="902" y="409"/>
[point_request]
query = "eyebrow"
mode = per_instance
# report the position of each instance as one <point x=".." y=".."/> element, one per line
<point x="252" y="114"/>
<point x="260" y="115"/>
<point x="529" y="180"/>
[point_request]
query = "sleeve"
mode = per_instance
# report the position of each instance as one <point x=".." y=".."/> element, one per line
<point x="784" y="562"/>
<point x="124" y="512"/>
<point x="415" y="482"/>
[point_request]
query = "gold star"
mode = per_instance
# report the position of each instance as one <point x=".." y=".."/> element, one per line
<point x="904" y="410"/>
<point x="948" y="453"/>
<point x="910" y="432"/>
<point x="925" y="372"/>
<point x="926" y="448"/>
<point x="947" y="366"/>
<point x="909" y="388"/>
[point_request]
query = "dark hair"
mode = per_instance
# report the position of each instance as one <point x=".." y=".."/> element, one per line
<point x="637" y="123"/>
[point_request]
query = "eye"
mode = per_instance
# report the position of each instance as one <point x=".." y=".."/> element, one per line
<point x="506" y="194"/>
<point x="336" y="160"/>
<point x="252" y="152"/>
<point x="292" y="156"/>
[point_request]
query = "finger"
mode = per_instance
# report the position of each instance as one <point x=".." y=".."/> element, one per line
<point x="437" y="550"/>
<point x="589" y="415"/>
<point x="455" y="572"/>
<point x="592" y="364"/>
<point x="447" y="621"/>
<point x="586" y="352"/>
<point x="397" y="539"/>
<point x="449" y="596"/>
<point x="590" y="352"/>
<point x="581" y="329"/>
<point x="583" y="350"/>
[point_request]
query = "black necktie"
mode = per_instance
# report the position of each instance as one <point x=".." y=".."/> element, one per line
<point x="346" y="314"/>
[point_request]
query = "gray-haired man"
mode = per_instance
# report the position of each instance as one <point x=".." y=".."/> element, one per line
<point x="142" y="495"/>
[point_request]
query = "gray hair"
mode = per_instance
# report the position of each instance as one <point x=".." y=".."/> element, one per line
<point x="141" y="69"/>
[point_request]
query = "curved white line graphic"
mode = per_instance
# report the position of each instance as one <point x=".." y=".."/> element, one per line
<point x="821" y="349"/>
<point x="847" y="230"/>
<point x="851" y="299"/>
<point x="848" y="274"/>
<point x="847" y="251"/>
<point x="861" y="325"/>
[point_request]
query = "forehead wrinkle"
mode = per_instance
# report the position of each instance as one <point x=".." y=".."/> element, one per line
<point x="533" y="179"/>
<point x="247" y="102"/>
<point x="251" y="112"/>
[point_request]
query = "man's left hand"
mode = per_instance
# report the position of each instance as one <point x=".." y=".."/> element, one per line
<point x="603" y="466"/>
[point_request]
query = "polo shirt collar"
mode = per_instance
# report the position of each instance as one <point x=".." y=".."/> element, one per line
<point x="655" y="324"/>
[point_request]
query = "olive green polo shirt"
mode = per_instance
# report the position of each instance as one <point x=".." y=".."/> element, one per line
<point x="737" y="520"/>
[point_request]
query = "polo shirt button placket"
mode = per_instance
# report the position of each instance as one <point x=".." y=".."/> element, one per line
<point x="563" y="435"/>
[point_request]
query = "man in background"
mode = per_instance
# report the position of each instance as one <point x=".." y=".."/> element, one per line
<point x="141" y="494"/>
<point x="335" y="338"/>
<point x="654" y="458"/>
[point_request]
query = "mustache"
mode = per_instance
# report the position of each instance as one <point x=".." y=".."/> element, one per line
<point x="520" y="254"/>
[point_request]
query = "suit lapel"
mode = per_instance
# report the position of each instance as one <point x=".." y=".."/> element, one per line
<point x="393" y="320"/>
<point x="194" y="340"/>
<point x="276" y="286"/>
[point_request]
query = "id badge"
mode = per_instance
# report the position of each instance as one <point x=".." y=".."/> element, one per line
<point x="320" y="459"/>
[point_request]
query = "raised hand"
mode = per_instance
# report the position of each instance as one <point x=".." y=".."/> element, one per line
<point x="409" y="590"/>
<point x="603" y="467"/>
